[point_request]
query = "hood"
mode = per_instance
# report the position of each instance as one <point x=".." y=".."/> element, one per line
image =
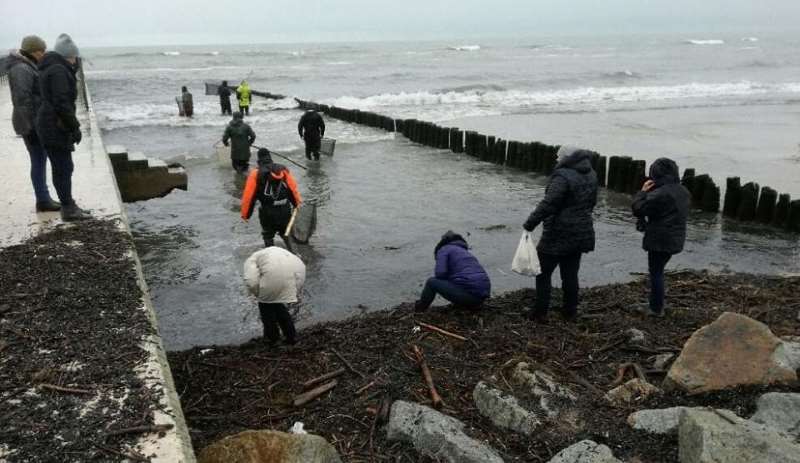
<point x="664" y="171"/>
<point x="15" y="57"/>
<point x="236" y="121"/>
<point x="453" y="238"/>
<point x="52" y="58"/>
<point x="575" y="158"/>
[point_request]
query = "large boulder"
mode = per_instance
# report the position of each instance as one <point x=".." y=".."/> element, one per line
<point x="436" y="435"/>
<point x="713" y="437"/>
<point x="504" y="410"/>
<point x="270" y="447"/>
<point x="780" y="411"/>
<point x="734" y="350"/>
<point x="585" y="451"/>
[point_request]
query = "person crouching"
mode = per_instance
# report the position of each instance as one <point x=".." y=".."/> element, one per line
<point x="276" y="277"/>
<point x="459" y="277"/>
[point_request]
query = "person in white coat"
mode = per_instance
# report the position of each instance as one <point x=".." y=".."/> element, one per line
<point x="276" y="277"/>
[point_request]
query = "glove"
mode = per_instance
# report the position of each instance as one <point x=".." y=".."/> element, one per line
<point x="77" y="137"/>
<point x="528" y="226"/>
<point x="226" y="143"/>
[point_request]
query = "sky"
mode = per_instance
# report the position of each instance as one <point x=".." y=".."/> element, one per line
<point x="186" y="22"/>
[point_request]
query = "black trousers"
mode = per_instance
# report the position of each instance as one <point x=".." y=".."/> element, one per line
<point x="274" y="316"/>
<point x="275" y="220"/>
<point x="225" y="105"/>
<point x="240" y="166"/>
<point x="569" y="266"/>
<point x="245" y="110"/>
<point x="313" y="145"/>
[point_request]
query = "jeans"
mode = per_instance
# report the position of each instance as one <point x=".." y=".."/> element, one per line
<point x="450" y="291"/>
<point x="569" y="266"/>
<point x="656" y="261"/>
<point x="62" y="166"/>
<point x="38" y="167"/>
<point x="274" y="315"/>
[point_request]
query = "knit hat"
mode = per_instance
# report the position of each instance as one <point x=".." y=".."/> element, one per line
<point x="264" y="156"/>
<point x="33" y="43"/>
<point x="66" y="47"/>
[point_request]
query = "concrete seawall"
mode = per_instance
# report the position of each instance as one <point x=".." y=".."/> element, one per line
<point x="94" y="188"/>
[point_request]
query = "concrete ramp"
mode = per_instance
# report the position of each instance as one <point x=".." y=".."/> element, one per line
<point x="140" y="178"/>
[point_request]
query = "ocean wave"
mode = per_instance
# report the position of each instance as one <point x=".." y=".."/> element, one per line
<point x="465" y="48"/>
<point x="479" y="88"/>
<point x="749" y="39"/>
<point x="705" y="42"/>
<point x="621" y="75"/>
<point x="171" y="53"/>
<point x="133" y="54"/>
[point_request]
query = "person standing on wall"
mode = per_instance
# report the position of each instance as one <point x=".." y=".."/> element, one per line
<point x="276" y="277"/>
<point x="241" y="136"/>
<point x="224" y="97"/>
<point x="58" y="128"/>
<point x="662" y="208"/>
<point x="311" y="129"/>
<point x="187" y="101"/>
<point x="23" y="80"/>
<point x="566" y="212"/>
<point x="243" y="94"/>
<point x="273" y="186"/>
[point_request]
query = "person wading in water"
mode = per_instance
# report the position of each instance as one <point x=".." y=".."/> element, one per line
<point x="241" y="136"/>
<point x="311" y="129"/>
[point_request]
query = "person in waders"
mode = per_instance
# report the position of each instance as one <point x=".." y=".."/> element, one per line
<point x="274" y="187"/>
<point x="275" y="277"/>
<point x="188" y="102"/>
<point x="311" y="129"/>
<point x="224" y="98"/>
<point x="243" y="95"/>
<point x="241" y="136"/>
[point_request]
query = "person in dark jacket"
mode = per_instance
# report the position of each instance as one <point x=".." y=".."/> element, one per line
<point x="273" y="186"/>
<point x="224" y="93"/>
<point x="240" y="136"/>
<point x="566" y="212"/>
<point x="458" y="276"/>
<point x="187" y="102"/>
<point x="56" y="125"/>
<point x="311" y="129"/>
<point x="662" y="207"/>
<point x="23" y="80"/>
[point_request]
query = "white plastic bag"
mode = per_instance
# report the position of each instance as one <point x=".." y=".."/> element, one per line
<point x="526" y="261"/>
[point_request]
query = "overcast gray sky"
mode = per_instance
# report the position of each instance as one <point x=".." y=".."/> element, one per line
<point x="157" y="22"/>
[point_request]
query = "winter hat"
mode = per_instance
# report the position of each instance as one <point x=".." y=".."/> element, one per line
<point x="66" y="47"/>
<point x="264" y="156"/>
<point x="238" y="115"/>
<point x="564" y="152"/>
<point x="32" y="43"/>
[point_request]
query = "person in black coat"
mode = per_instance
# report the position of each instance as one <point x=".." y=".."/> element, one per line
<point x="58" y="128"/>
<point x="224" y="98"/>
<point x="661" y="207"/>
<point x="311" y="129"/>
<point x="566" y="212"/>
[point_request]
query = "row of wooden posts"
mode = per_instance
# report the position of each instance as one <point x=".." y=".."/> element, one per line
<point x="623" y="174"/>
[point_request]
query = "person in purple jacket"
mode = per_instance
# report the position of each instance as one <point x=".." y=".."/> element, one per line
<point x="459" y="277"/>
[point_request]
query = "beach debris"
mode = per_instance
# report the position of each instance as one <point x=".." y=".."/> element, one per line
<point x="419" y="356"/>
<point x="307" y="397"/>
<point x="635" y="336"/>
<point x="662" y="361"/>
<point x="297" y="428"/>
<point x="633" y="391"/>
<point x="436" y="329"/>
<point x="436" y="435"/>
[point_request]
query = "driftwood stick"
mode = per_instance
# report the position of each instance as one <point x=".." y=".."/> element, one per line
<point x="441" y="331"/>
<point x="307" y="397"/>
<point x="362" y="389"/>
<point x="323" y="378"/>
<point x="68" y="390"/>
<point x="436" y="399"/>
<point x="347" y="364"/>
<point x="141" y="429"/>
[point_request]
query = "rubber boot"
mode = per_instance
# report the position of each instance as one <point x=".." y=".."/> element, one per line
<point x="48" y="206"/>
<point x="73" y="213"/>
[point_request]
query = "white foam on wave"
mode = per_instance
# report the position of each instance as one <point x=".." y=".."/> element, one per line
<point x="171" y="53"/>
<point x="705" y="42"/>
<point x="749" y="39"/>
<point x="465" y="48"/>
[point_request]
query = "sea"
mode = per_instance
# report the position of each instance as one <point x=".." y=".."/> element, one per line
<point x="723" y="104"/>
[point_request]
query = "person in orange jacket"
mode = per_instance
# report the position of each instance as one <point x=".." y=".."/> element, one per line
<point x="276" y="189"/>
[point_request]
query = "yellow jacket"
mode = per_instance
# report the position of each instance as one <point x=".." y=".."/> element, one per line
<point x="243" y="94"/>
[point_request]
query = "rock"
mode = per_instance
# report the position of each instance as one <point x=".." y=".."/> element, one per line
<point x="436" y="435"/>
<point x="544" y="387"/>
<point x="779" y="411"/>
<point x="270" y="447"/>
<point x="788" y="354"/>
<point x="504" y="411"/>
<point x="632" y="391"/>
<point x="659" y="421"/>
<point x="732" y="351"/>
<point x="585" y="451"/>
<point x="661" y="361"/>
<point x="709" y="437"/>
<point x="635" y="336"/>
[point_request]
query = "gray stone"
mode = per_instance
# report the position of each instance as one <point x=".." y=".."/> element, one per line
<point x="635" y="336"/>
<point x="780" y="411"/>
<point x="272" y="446"/>
<point x="504" y="410"/>
<point x="659" y="421"/>
<point x="630" y="392"/>
<point x="544" y="387"/>
<point x="709" y="437"/>
<point x="436" y="435"/>
<point x="585" y="451"/>
<point x="787" y="355"/>
<point x="661" y="361"/>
